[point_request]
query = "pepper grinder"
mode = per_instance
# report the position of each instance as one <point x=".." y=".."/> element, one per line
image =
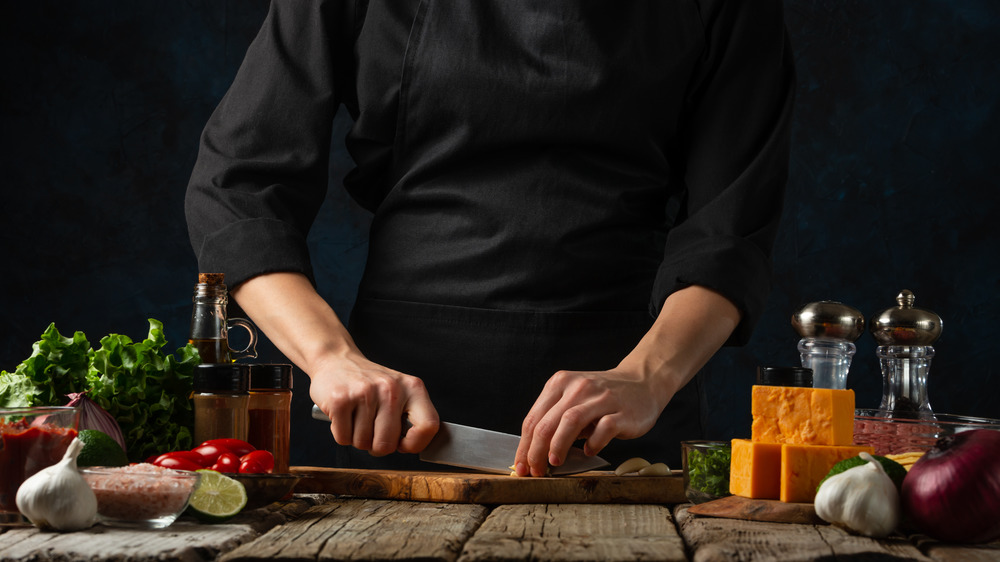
<point x="905" y="334"/>
<point x="828" y="330"/>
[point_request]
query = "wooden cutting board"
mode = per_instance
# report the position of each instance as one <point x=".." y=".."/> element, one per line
<point x="736" y="507"/>
<point x="481" y="488"/>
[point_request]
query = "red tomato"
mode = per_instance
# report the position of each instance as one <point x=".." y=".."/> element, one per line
<point x="186" y="455"/>
<point x="209" y="453"/>
<point x="235" y="446"/>
<point x="178" y="463"/>
<point x="227" y="462"/>
<point x="257" y="462"/>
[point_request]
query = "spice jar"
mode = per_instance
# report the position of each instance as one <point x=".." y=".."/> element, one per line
<point x="905" y="334"/>
<point x="269" y="411"/>
<point x="210" y="326"/>
<point x="828" y="330"/>
<point x="221" y="399"/>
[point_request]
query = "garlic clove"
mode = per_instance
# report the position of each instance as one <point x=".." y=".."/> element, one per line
<point x="634" y="464"/>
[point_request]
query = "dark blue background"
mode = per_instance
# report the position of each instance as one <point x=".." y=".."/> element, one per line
<point x="894" y="165"/>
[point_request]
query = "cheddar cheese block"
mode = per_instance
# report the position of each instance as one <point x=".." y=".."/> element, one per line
<point x="804" y="466"/>
<point x="802" y="416"/>
<point x="755" y="470"/>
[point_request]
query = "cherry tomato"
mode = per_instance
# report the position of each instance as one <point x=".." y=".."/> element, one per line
<point x="186" y="455"/>
<point x="235" y="446"/>
<point x="257" y="462"/>
<point x="227" y="462"/>
<point x="178" y="463"/>
<point x="209" y="453"/>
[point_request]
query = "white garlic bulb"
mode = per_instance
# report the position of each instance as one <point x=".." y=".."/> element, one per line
<point x="57" y="497"/>
<point x="863" y="499"/>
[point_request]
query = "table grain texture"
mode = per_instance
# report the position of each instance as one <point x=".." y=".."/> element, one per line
<point x="314" y="527"/>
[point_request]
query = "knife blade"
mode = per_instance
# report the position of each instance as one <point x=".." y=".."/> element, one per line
<point x="486" y="450"/>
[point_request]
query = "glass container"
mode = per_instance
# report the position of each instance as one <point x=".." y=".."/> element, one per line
<point x="706" y="469"/>
<point x="30" y="439"/>
<point x="828" y="330"/>
<point x="221" y="401"/>
<point x="905" y="334"/>
<point x="270" y="411"/>
<point x="210" y="325"/>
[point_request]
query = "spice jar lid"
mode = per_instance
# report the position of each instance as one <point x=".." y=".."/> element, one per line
<point x="785" y="376"/>
<point x="906" y="324"/>
<point x="270" y="376"/>
<point x="829" y="320"/>
<point x="229" y="378"/>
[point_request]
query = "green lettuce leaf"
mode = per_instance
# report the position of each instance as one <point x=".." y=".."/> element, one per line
<point x="16" y="390"/>
<point x="57" y="366"/>
<point x="147" y="392"/>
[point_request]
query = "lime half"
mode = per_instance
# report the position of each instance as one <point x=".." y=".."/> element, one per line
<point x="217" y="497"/>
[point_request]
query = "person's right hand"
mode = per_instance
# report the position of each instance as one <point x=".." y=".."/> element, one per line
<point x="365" y="401"/>
<point x="366" y="404"/>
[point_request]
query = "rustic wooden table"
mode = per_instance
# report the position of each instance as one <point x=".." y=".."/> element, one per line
<point x="326" y="527"/>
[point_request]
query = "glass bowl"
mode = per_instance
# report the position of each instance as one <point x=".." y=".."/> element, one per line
<point x="30" y="439"/>
<point x="140" y="495"/>
<point x="890" y="434"/>
<point x="706" y="469"/>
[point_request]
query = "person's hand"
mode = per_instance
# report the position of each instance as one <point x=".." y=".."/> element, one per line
<point x="599" y="406"/>
<point x="366" y="404"/>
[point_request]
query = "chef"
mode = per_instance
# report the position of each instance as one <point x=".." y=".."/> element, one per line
<point x="574" y="206"/>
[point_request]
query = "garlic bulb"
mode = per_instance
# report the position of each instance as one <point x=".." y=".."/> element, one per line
<point x="862" y="499"/>
<point x="57" y="497"/>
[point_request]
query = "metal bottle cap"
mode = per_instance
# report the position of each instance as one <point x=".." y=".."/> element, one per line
<point x="905" y="324"/>
<point x="829" y="320"/>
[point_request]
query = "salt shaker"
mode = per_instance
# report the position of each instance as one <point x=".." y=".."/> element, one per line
<point x="828" y="330"/>
<point x="905" y="334"/>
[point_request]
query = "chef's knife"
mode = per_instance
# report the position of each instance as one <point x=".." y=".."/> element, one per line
<point x="486" y="450"/>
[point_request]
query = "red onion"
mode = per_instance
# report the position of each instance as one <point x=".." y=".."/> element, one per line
<point x="93" y="416"/>
<point x="953" y="492"/>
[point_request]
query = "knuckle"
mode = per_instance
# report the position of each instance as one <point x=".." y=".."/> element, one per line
<point x="545" y="429"/>
<point x="573" y="418"/>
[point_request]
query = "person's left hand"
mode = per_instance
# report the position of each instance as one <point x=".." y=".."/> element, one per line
<point x="596" y="405"/>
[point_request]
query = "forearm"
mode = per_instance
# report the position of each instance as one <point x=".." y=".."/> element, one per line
<point x="692" y="326"/>
<point x="287" y="308"/>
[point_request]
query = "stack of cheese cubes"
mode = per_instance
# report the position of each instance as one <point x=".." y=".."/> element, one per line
<point x="797" y="435"/>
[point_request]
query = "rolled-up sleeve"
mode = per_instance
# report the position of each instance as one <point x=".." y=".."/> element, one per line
<point x="736" y="151"/>
<point x="261" y="173"/>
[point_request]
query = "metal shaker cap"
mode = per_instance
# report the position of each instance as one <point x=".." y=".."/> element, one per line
<point x="906" y="324"/>
<point x="829" y="320"/>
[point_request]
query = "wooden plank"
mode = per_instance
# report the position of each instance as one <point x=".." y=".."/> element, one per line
<point x="491" y="489"/>
<point x="710" y="539"/>
<point x="184" y="541"/>
<point x="365" y="529"/>
<point x="736" y="507"/>
<point x="946" y="552"/>
<point x="578" y="532"/>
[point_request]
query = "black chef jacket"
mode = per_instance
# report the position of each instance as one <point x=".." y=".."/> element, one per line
<point x="541" y="173"/>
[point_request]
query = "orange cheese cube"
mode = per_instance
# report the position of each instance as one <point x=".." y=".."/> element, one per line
<point x="804" y="466"/>
<point x="802" y="416"/>
<point x="755" y="469"/>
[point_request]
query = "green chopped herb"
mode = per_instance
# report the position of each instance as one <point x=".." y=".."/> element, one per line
<point x="708" y="470"/>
